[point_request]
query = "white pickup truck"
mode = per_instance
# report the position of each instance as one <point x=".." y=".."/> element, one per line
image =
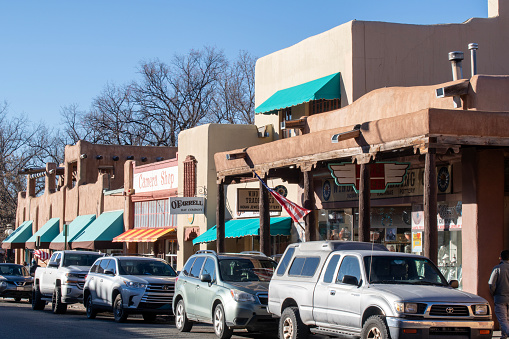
<point x="62" y="281"/>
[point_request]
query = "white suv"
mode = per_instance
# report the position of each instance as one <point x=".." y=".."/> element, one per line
<point x="129" y="284"/>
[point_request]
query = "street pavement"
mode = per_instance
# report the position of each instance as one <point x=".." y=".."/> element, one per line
<point x="19" y="321"/>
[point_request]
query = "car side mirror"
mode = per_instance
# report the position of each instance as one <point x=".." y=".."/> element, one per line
<point x="205" y="278"/>
<point x="454" y="283"/>
<point x="109" y="272"/>
<point x="350" y="280"/>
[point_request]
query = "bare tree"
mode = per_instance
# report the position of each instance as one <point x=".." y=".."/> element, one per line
<point x="15" y="154"/>
<point x="175" y="97"/>
<point x="235" y="97"/>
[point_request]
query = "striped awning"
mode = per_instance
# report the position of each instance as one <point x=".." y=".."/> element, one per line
<point x="143" y="234"/>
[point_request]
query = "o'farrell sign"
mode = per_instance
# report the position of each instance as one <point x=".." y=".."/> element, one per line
<point x="194" y="205"/>
<point x="156" y="180"/>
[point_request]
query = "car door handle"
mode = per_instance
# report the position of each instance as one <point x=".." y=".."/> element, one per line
<point x="101" y="280"/>
<point x="332" y="292"/>
<point x="197" y="287"/>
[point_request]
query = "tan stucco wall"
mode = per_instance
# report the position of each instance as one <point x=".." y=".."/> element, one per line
<point x="372" y="55"/>
<point x="203" y="142"/>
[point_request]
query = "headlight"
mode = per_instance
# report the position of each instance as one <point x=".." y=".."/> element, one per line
<point x="71" y="278"/>
<point x="406" y="307"/>
<point x="480" y="309"/>
<point x="242" y="296"/>
<point x="134" y="284"/>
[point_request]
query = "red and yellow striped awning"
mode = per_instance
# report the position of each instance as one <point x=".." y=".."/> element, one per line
<point x="143" y="234"/>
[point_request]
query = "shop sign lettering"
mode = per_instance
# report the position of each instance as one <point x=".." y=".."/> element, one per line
<point x="156" y="180"/>
<point x="248" y="200"/>
<point x="187" y="205"/>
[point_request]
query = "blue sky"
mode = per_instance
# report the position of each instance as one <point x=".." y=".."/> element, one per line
<point x="57" y="53"/>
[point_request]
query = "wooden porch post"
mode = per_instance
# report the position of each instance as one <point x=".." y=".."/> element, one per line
<point x="264" y="219"/>
<point x="430" y="241"/>
<point x="309" y="203"/>
<point x="220" y="218"/>
<point x="364" y="203"/>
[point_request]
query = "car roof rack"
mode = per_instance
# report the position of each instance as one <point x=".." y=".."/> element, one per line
<point x="206" y="251"/>
<point x="254" y="252"/>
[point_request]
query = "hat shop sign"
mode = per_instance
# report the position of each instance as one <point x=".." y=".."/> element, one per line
<point x="187" y="205"/>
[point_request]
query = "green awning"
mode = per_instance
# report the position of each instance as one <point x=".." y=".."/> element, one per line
<point x="323" y="88"/>
<point x="100" y="233"/>
<point x="48" y="232"/>
<point x="237" y="228"/>
<point x="18" y="238"/>
<point x="75" y="228"/>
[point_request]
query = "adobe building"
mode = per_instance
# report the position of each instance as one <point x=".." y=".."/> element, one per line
<point x="385" y="146"/>
<point x="86" y="193"/>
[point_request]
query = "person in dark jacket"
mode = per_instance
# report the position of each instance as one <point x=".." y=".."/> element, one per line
<point x="33" y="267"/>
<point x="499" y="288"/>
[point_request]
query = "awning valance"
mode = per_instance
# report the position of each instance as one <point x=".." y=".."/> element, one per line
<point x="18" y="238"/>
<point x="100" y="233"/>
<point x="237" y="228"/>
<point x="324" y="88"/>
<point x="47" y="232"/>
<point x="143" y="234"/>
<point x="76" y="227"/>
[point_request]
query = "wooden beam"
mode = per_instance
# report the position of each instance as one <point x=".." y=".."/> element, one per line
<point x="299" y="124"/>
<point x="430" y="236"/>
<point x="354" y="133"/>
<point x="220" y="231"/>
<point x="364" y="203"/>
<point x="460" y="88"/>
<point x="309" y="203"/>
<point x="264" y="220"/>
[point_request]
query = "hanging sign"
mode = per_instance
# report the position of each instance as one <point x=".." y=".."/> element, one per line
<point x="187" y="205"/>
<point x="248" y="200"/>
<point x="382" y="174"/>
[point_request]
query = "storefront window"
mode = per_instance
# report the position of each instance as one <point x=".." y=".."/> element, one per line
<point x="336" y="224"/>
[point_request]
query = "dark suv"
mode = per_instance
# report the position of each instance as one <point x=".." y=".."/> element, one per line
<point x="129" y="284"/>
<point x="227" y="290"/>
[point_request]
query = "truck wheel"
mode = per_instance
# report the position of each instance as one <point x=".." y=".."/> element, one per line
<point x="57" y="306"/>
<point x="375" y="327"/>
<point x="17" y="299"/>
<point x="181" y="322"/>
<point x="91" y="311"/>
<point x="291" y="326"/>
<point x="222" y="331"/>
<point x="118" y="310"/>
<point x="37" y="303"/>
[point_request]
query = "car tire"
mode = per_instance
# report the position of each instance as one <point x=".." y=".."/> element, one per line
<point x="375" y="327"/>
<point x="17" y="299"/>
<point x="220" y="328"/>
<point x="149" y="317"/>
<point x="37" y="303"/>
<point x="90" y="309"/>
<point x="291" y="326"/>
<point x="182" y="323"/>
<point x="57" y="306"/>
<point x="118" y="310"/>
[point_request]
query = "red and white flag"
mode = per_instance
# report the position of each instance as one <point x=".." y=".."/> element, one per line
<point x="295" y="211"/>
<point x="43" y="255"/>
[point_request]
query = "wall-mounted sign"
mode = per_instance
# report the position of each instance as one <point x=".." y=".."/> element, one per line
<point x="156" y="180"/>
<point x="412" y="185"/>
<point x="248" y="200"/>
<point x="382" y="174"/>
<point x="187" y="205"/>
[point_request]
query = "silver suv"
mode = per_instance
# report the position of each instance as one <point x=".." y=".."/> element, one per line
<point x="129" y="284"/>
<point x="357" y="289"/>
<point x="227" y="290"/>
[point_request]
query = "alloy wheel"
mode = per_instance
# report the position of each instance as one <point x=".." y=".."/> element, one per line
<point x="287" y="328"/>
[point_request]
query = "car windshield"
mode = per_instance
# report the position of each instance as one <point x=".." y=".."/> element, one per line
<point x="145" y="267"/>
<point x="246" y="269"/>
<point x="13" y="270"/>
<point x="402" y="270"/>
<point x="79" y="259"/>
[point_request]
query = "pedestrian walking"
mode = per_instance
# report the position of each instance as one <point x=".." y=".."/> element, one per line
<point x="499" y="288"/>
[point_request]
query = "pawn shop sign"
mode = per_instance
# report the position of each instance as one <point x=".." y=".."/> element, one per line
<point x="382" y="174"/>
